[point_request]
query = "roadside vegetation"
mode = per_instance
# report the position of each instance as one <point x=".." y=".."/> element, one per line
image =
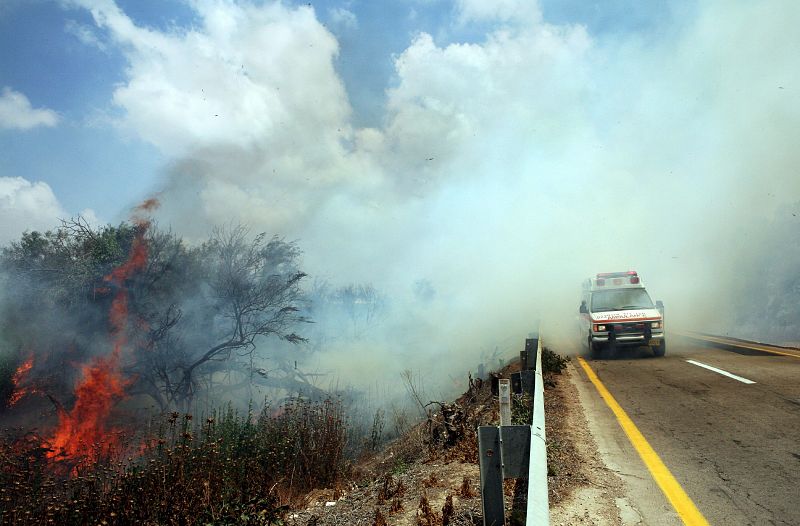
<point x="552" y="362"/>
<point x="268" y="467"/>
<point x="228" y="468"/>
<point x="103" y="327"/>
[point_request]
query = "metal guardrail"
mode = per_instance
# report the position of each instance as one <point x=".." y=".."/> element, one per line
<point x="509" y="451"/>
<point x="538" y="509"/>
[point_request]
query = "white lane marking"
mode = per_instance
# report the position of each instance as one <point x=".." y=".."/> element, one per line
<point x="720" y="371"/>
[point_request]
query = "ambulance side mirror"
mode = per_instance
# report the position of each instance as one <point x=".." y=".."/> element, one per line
<point x="583" y="309"/>
<point x="660" y="306"/>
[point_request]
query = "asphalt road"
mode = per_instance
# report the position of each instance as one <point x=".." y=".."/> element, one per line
<point x="734" y="447"/>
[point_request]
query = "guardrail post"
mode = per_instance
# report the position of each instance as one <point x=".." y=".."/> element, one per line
<point x="508" y="451"/>
<point x="505" y="401"/>
<point x="523" y="382"/>
<point x="490" y="457"/>
<point x="528" y="356"/>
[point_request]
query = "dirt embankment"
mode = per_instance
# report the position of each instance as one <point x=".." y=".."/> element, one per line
<point x="431" y="476"/>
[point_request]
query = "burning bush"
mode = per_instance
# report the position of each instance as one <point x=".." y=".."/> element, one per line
<point x="164" y="314"/>
<point x="116" y="312"/>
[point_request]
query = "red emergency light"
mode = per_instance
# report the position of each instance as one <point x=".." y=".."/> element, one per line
<point x="631" y="275"/>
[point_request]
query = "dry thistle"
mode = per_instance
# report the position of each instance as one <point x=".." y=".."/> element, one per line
<point x="431" y="481"/>
<point x="466" y="488"/>
<point x="448" y="511"/>
<point x="399" y="489"/>
<point x="379" y="520"/>
<point x="425" y="514"/>
<point x="386" y="489"/>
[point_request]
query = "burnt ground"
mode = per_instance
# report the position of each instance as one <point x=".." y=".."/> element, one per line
<point x="430" y="476"/>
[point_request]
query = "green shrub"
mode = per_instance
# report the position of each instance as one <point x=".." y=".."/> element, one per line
<point x="521" y="409"/>
<point x="552" y="362"/>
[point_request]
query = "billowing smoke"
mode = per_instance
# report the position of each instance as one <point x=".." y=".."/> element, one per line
<point x="503" y="171"/>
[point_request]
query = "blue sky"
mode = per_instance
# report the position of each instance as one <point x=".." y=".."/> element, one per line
<point x="92" y="164"/>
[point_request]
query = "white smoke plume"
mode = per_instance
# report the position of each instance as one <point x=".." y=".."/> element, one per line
<point x="505" y="169"/>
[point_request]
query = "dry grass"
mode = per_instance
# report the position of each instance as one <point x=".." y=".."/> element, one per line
<point x="231" y="469"/>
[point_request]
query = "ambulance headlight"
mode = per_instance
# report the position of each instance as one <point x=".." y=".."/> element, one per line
<point x="657" y="325"/>
<point x="599" y="328"/>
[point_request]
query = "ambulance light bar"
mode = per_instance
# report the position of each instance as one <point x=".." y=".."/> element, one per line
<point x="633" y="277"/>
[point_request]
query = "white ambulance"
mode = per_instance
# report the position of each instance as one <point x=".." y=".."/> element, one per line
<point x="616" y="310"/>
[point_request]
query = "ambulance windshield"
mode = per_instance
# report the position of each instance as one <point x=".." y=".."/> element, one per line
<point x="620" y="299"/>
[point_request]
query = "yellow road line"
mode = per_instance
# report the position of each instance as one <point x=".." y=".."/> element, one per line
<point x="683" y="505"/>
<point x="752" y="346"/>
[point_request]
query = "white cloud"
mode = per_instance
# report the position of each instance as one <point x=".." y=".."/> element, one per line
<point x="461" y="99"/>
<point x="248" y="76"/>
<point x="343" y="19"/>
<point x="26" y="205"/>
<point x="91" y="218"/>
<point x="519" y="11"/>
<point x="85" y="34"/>
<point x="249" y="99"/>
<point x="16" y="112"/>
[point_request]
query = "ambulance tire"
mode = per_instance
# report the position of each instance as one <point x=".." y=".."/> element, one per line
<point x="660" y="349"/>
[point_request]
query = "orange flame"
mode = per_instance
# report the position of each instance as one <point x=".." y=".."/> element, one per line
<point x="82" y="433"/>
<point x="140" y="217"/>
<point x="136" y="262"/>
<point x="19" y="376"/>
<point x="148" y="205"/>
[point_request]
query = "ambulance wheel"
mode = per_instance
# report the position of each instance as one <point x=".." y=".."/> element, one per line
<point x="660" y="349"/>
